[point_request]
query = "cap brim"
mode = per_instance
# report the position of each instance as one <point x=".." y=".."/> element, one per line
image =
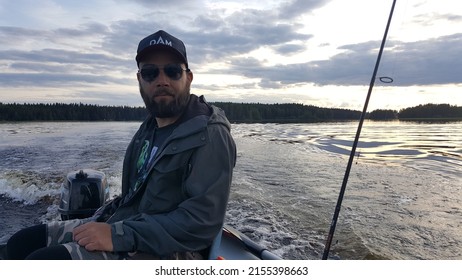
<point x="151" y="49"/>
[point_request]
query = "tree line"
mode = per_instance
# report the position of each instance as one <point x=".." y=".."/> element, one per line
<point x="69" y="112"/>
<point x="432" y="111"/>
<point x="287" y="112"/>
<point x="236" y="112"/>
<point x="421" y="112"/>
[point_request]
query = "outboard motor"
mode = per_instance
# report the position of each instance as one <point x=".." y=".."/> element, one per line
<point x="82" y="193"/>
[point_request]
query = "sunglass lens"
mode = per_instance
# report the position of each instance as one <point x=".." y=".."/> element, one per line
<point x="173" y="71"/>
<point x="149" y="74"/>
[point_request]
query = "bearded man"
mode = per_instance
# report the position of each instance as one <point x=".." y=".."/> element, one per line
<point x="176" y="176"/>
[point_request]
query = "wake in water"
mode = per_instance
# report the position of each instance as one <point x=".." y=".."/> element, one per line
<point x="17" y="215"/>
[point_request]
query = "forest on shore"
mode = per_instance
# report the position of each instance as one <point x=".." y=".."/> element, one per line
<point x="236" y="112"/>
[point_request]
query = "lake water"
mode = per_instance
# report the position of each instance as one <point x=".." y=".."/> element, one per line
<point x="403" y="199"/>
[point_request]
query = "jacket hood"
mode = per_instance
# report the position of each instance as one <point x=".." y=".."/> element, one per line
<point x="198" y="106"/>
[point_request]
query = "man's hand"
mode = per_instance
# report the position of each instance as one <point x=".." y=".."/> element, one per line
<point x="94" y="236"/>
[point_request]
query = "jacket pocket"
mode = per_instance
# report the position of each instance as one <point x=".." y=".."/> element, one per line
<point x="164" y="190"/>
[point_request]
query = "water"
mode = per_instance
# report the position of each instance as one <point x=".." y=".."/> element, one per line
<point x="403" y="199"/>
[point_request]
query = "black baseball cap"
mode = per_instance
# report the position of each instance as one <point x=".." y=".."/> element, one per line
<point x="161" y="40"/>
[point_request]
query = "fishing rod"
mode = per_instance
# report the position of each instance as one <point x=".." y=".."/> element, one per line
<point x="355" y="143"/>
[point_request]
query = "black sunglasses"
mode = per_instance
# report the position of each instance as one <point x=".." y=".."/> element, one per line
<point x="150" y="72"/>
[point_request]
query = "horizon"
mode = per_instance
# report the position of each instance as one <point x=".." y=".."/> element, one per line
<point x="246" y="103"/>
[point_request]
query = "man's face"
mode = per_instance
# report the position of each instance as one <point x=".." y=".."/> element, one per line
<point x="164" y="95"/>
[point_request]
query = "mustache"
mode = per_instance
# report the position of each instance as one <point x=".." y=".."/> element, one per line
<point x="163" y="92"/>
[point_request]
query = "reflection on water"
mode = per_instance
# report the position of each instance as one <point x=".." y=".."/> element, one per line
<point x="395" y="141"/>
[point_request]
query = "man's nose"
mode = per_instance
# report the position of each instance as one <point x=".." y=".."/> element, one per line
<point x="162" y="80"/>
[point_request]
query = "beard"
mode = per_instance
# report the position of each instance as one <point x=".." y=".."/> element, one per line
<point x="166" y="108"/>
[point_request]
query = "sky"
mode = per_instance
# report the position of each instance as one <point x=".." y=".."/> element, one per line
<point x="314" y="52"/>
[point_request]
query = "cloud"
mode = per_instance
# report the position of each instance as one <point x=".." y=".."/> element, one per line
<point x="429" y="19"/>
<point x="54" y="67"/>
<point x="427" y="62"/>
<point x="219" y="38"/>
<point x="58" y="80"/>
<point x="292" y="9"/>
<point x="184" y="4"/>
<point x="31" y="38"/>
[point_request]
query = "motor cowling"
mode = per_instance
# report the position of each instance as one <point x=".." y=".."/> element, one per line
<point x="82" y="193"/>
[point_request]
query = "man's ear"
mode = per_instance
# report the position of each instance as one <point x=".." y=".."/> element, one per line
<point x="138" y="76"/>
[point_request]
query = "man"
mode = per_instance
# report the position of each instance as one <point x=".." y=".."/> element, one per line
<point x="176" y="176"/>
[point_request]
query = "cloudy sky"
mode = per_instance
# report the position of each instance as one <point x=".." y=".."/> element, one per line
<point x="318" y="52"/>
